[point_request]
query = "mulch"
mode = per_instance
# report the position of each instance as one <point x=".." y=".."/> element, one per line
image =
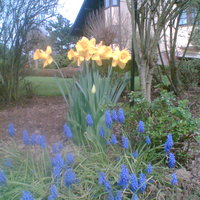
<point x="40" y="115"/>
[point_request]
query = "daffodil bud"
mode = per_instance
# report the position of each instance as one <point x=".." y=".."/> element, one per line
<point x="93" y="89"/>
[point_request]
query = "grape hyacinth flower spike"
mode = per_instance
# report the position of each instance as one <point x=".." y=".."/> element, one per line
<point x="124" y="177"/>
<point x="53" y="192"/>
<point x="118" y="195"/>
<point x="148" y="140"/>
<point x="142" y="182"/>
<point x="26" y="195"/>
<point x="70" y="178"/>
<point x="125" y="142"/>
<point x="135" y="197"/>
<point x="89" y="120"/>
<point x="101" y="132"/>
<point x="11" y="129"/>
<point x="174" y="180"/>
<point x="42" y="141"/>
<point x="2" y="178"/>
<point x="8" y="162"/>
<point x="113" y="139"/>
<point x="67" y="131"/>
<point x="171" y="160"/>
<point x="149" y="169"/>
<point x="108" y="119"/>
<point x="133" y="182"/>
<point x="168" y="144"/>
<point x="114" y="116"/>
<point x="70" y="158"/>
<point x="141" y="127"/>
<point x="26" y="138"/>
<point x="135" y="154"/>
<point x="121" y="117"/>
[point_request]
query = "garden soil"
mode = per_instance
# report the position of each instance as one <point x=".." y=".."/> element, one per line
<point x="40" y="115"/>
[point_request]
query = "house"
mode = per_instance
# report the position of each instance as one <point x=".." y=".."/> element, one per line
<point x="116" y="14"/>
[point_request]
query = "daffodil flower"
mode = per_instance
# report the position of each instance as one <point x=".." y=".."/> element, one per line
<point x="120" y="58"/>
<point x="85" y="47"/>
<point x="75" y="56"/>
<point x="44" y="55"/>
<point x="102" y="53"/>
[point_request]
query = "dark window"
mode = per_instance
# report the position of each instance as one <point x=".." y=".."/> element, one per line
<point x="188" y="16"/>
<point x="115" y="2"/>
<point x="183" y="19"/>
<point x="107" y="3"/>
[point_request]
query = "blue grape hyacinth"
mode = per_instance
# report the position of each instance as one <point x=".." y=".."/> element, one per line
<point x="171" y="160"/>
<point x="103" y="181"/>
<point x="54" y="148"/>
<point x="135" y="197"/>
<point x="89" y="120"/>
<point x="101" y="178"/>
<point x="33" y="139"/>
<point x="125" y="142"/>
<point x="121" y="117"/>
<point x="142" y="182"/>
<point x="114" y="115"/>
<point x="8" y="162"/>
<point x="135" y="154"/>
<point x="168" y="144"/>
<point x="42" y="141"/>
<point x="53" y="191"/>
<point x="101" y="132"/>
<point x="149" y="169"/>
<point x="26" y="138"/>
<point x="67" y="131"/>
<point x="118" y="195"/>
<point x="141" y="127"/>
<point x="110" y="196"/>
<point x="113" y="139"/>
<point x="11" y="129"/>
<point x="56" y="172"/>
<point x="124" y="177"/>
<point x="2" y="178"/>
<point x="147" y="140"/>
<point x="133" y="182"/>
<point x="70" y="177"/>
<point x="174" y="180"/>
<point x="59" y="160"/>
<point x="70" y="158"/>
<point x="108" y="119"/>
<point x="26" y="195"/>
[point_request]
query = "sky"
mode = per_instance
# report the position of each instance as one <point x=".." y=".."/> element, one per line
<point x="70" y="8"/>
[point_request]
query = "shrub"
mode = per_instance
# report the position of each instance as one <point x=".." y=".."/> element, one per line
<point x="164" y="115"/>
<point x="190" y="72"/>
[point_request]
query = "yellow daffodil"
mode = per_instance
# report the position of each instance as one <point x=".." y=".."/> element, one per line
<point x="120" y="58"/>
<point x="85" y="47"/>
<point x="44" y="55"/>
<point x="73" y="55"/>
<point x="102" y="53"/>
<point x="93" y="90"/>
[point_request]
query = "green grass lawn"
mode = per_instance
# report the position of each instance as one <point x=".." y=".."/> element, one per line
<point x="47" y="86"/>
<point x="44" y="86"/>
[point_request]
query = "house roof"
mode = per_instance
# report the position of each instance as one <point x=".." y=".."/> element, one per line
<point x="87" y="6"/>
